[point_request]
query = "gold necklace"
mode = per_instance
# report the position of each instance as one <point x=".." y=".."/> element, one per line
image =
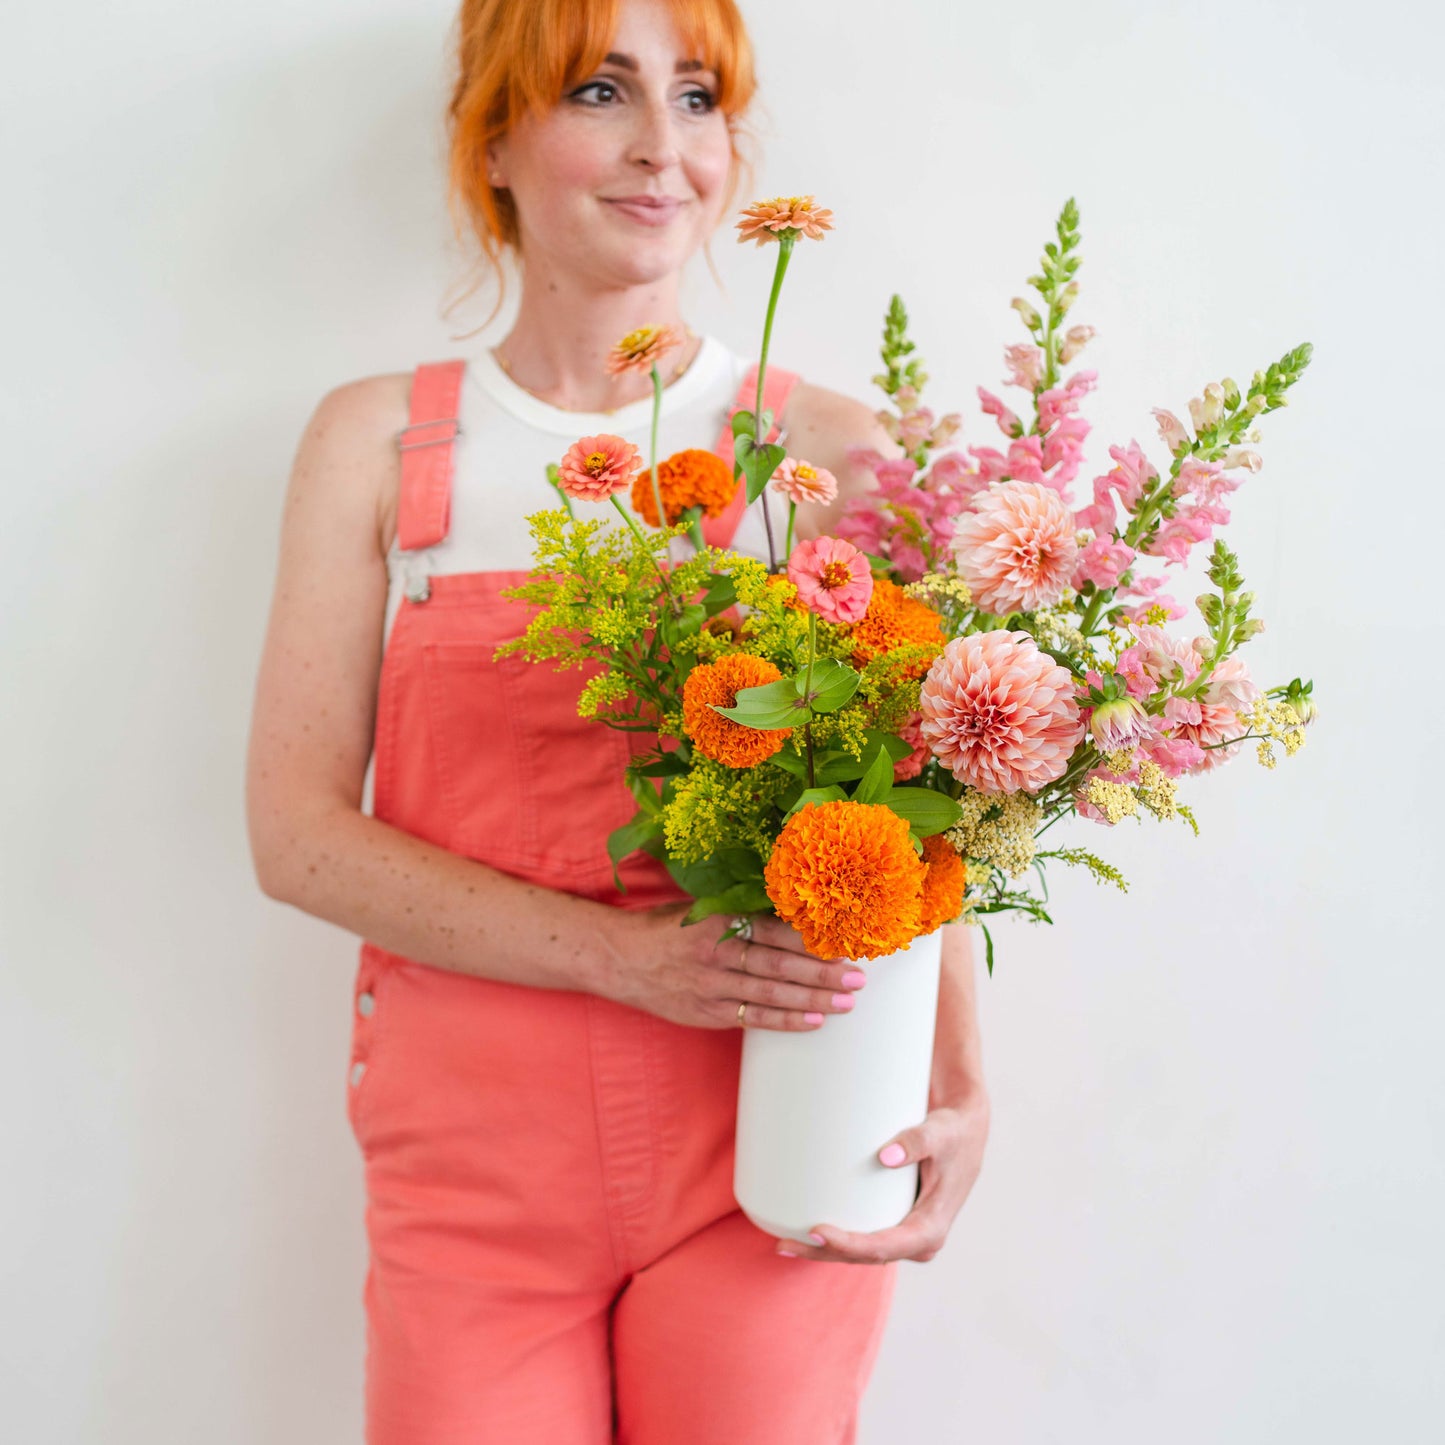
<point x="677" y="371"/>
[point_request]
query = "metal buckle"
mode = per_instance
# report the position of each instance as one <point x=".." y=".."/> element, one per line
<point x="451" y="421"/>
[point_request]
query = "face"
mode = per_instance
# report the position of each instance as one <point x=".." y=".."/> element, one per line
<point x="643" y="127"/>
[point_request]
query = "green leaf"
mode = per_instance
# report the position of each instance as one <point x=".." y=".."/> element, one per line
<point x="758" y="462"/>
<point x="639" y="833"/>
<point x="742" y="422"/>
<point x="673" y="628"/>
<point x="925" y="810"/>
<point x="877" y="780"/>
<point x="833" y="683"/>
<point x="749" y="897"/>
<point x="700" y="879"/>
<point x="668" y="765"/>
<point x="815" y="795"/>
<point x="769" y="705"/>
<point x="647" y="800"/>
<point x="790" y="762"/>
<point x="988" y="939"/>
<point x="836" y="765"/>
<point x="721" y="593"/>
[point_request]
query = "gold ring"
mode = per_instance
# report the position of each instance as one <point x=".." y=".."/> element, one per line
<point x="741" y="1022"/>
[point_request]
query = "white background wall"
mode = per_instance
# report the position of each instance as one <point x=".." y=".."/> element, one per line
<point x="1210" y="1206"/>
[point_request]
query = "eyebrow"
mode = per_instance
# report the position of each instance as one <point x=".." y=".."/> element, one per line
<point x="626" y="62"/>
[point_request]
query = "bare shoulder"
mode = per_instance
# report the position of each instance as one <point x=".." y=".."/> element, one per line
<point x="822" y="425"/>
<point x="348" y="449"/>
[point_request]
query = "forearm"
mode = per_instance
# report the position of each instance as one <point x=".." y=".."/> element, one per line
<point x="957" y="1046"/>
<point x="429" y="904"/>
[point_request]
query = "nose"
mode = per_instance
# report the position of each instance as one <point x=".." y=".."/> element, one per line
<point x="653" y="143"/>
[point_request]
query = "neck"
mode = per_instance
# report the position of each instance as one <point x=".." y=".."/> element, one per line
<point x="566" y="325"/>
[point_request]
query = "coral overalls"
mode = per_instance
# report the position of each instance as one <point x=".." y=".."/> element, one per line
<point x="556" y="1255"/>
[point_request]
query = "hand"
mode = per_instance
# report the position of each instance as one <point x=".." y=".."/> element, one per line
<point x="695" y="976"/>
<point x="949" y="1145"/>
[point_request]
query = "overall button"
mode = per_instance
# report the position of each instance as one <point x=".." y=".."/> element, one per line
<point x="364" y="1004"/>
<point x="357" y="1070"/>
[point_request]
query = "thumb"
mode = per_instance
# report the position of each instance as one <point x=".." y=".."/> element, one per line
<point x="906" y="1147"/>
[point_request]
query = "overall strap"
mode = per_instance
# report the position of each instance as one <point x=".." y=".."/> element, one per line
<point x="423" y="510"/>
<point x="777" y="384"/>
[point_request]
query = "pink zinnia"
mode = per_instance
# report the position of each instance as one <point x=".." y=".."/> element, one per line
<point x="596" y="467"/>
<point x="1016" y="549"/>
<point x="999" y="713"/>
<point x="801" y="481"/>
<point x="832" y="577"/>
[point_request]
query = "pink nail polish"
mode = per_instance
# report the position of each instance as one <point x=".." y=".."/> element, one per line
<point x="814" y="1018"/>
<point x="854" y="978"/>
<point x="815" y="1237"/>
<point x="893" y="1154"/>
<point x="790" y="1253"/>
<point x="842" y="1002"/>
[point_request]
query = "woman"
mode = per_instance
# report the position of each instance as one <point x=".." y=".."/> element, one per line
<point x="544" y="1068"/>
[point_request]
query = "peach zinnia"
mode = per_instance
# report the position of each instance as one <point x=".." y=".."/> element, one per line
<point x="1016" y="549"/>
<point x="691" y="478"/>
<point x="641" y="348"/>
<point x="999" y="713"/>
<point x="711" y="685"/>
<point x="596" y="467"/>
<point x="845" y="875"/>
<point x="832" y="577"/>
<point x="764" y="221"/>
<point x="943" y="885"/>
<point x="801" y="481"/>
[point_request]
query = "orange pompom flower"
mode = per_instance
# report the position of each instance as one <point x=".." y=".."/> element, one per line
<point x="641" y="348"/>
<point x="943" y="883"/>
<point x="765" y="221"/>
<point x="690" y="478"/>
<point x="718" y="737"/>
<point x="845" y="875"/>
<point x="894" y="619"/>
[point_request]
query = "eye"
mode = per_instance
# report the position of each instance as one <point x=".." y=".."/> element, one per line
<point x="593" y="85"/>
<point x="707" y="98"/>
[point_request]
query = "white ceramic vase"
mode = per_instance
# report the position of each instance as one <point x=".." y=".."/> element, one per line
<point x="814" y="1108"/>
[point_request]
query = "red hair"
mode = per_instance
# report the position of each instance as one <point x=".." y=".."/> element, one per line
<point x="516" y="57"/>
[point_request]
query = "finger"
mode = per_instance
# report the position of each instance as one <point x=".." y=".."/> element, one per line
<point x="758" y="1016"/>
<point x="765" y="961"/>
<point x="919" y="1237"/>
<point x="778" y="994"/>
<point x="908" y="1146"/>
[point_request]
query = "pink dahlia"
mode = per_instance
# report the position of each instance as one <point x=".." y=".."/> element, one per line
<point x="999" y="713"/>
<point x="596" y="467"/>
<point x="832" y="577"/>
<point x="801" y="481"/>
<point x="1016" y="549"/>
<point x="1203" y="724"/>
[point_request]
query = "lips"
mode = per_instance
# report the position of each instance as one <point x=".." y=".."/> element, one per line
<point x="647" y="210"/>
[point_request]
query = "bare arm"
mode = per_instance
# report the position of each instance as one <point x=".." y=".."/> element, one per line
<point x="311" y="737"/>
<point x="957" y="1047"/>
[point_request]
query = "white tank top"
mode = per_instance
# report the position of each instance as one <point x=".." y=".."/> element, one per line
<point x="507" y="437"/>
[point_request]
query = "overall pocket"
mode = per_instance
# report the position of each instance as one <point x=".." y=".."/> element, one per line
<point x="368" y="1017"/>
<point x="521" y="778"/>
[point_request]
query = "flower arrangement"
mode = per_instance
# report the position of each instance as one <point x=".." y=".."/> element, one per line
<point x="871" y="735"/>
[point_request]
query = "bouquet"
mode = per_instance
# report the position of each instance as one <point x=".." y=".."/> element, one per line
<point x="872" y="734"/>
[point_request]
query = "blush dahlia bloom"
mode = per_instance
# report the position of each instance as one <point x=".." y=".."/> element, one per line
<point x="999" y="713"/>
<point x="832" y="578"/>
<point x="1016" y="549"/>
<point x="801" y="481"/>
<point x="596" y="467"/>
<point x="1119" y="724"/>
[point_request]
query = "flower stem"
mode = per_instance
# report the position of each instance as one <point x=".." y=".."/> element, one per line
<point x="656" y="484"/>
<point x="785" y="250"/>
<point x="788" y="538"/>
<point x="636" y="532"/>
<point x="807" y="690"/>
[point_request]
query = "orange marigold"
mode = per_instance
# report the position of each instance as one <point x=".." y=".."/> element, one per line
<point x="894" y="619"/>
<point x="690" y="478"/>
<point x="718" y="737"/>
<point x="845" y="875"/>
<point x="943" y="883"/>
